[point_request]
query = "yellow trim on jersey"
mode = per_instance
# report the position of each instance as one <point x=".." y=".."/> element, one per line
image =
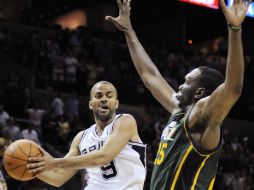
<point x="198" y="172"/>
<point x="176" y="114"/>
<point x="184" y="124"/>
<point x="211" y="184"/>
<point x="180" y="167"/>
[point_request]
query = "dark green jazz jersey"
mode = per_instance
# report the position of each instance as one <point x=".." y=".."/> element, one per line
<point x="180" y="164"/>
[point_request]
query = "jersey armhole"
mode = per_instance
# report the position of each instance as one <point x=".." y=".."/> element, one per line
<point x="198" y="149"/>
<point x="113" y="124"/>
<point x="82" y="137"/>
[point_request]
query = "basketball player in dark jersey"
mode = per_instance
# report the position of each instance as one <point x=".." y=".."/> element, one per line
<point x="190" y="145"/>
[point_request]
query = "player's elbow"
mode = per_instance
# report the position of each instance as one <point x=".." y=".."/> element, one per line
<point x="102" y="162"/>
<point x="56" y="183"/>
<point x="148" y="79"/>
<point x="103" y="159"/>
<point x="234" y="91"/>
<point x="145" y="79"/>
<point x="237" y="91"/>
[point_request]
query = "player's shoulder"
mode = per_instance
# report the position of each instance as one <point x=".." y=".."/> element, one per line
<point x="126" y="118"/>
<point x="125" y="121"/>
<point x="79" y="135"/>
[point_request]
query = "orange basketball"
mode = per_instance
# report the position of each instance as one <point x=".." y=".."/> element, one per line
<point x="16" y="157"/>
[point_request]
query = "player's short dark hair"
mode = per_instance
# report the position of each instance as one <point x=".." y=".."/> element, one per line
<point x="210" y="79"/>
<point x="103" y="82"/>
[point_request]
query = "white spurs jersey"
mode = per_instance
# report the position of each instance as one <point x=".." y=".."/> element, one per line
<point x="126" y="172"/>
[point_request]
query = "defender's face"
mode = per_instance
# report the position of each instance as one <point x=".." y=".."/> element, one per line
<point x="187" y="91"/>
<point x="103" y="101"/>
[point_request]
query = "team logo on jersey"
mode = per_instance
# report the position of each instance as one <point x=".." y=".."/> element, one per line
<point x="96" y="146"/>
<point x="169" y="131"/>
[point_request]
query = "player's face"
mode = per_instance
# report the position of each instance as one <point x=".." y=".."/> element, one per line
<point x="187" y="91"/>
<point x="103" y="101"/>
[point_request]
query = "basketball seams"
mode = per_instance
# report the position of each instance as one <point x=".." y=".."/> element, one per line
<point x="16" y="168"/>
<point x="21" y="151"/>
<point x="21" y="177"/>
<point x="11" y="156"/>
<point x="30" y="147"/>
<point x="38" y="154"/>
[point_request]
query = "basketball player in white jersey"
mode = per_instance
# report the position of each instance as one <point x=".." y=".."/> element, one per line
<point x="110" y="150"/>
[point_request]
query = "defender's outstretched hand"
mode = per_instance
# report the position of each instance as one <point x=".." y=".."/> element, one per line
<point x="236" y="13"/>
<point x="37" y="165"/>
<point x="122" y="22"/>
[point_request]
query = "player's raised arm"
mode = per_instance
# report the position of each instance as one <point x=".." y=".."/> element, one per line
<point x="216" y="106"/>
<point x="147" y="70"/>
<point x="58" y="176"/>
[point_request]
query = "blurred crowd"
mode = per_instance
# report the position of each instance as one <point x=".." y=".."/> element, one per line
<point x="74" y="60"/>
<point x="64" y="65"/>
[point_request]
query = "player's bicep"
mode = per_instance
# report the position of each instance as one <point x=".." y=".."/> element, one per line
<point x="219" y="103"/>
<point x="161" y="91"/>
<point x="120" y="136"/>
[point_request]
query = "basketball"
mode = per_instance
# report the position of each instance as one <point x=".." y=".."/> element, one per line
<point x="16" y="157"/>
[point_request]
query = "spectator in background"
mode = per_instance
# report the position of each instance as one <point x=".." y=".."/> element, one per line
<point x="54" y="55"/>
<point x="57" y="106"/>
<point x="5" y="134"/>
<point x="4" y="116"/>
<point x="63" y="128"/>
<point x="58" y="70"/>
<point x="12" y="129"/>
<point x="4" y="143"/>
<point x="75" y="43"/>
<point x="35" y="115"/>
<point x="91" y="73"/>
<point x="72" y="104"/>
<point x="30" y="134"/>
<point x="12" y="84"/>
<point x="3" y="146"/>
<point x="71" y="64"/>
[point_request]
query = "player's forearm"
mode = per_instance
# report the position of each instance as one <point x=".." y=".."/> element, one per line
<point x="140" y="58"/>
<point x="84" y="161"/>
<point x="235" y="62"/>
<point x="56" y="177"/>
